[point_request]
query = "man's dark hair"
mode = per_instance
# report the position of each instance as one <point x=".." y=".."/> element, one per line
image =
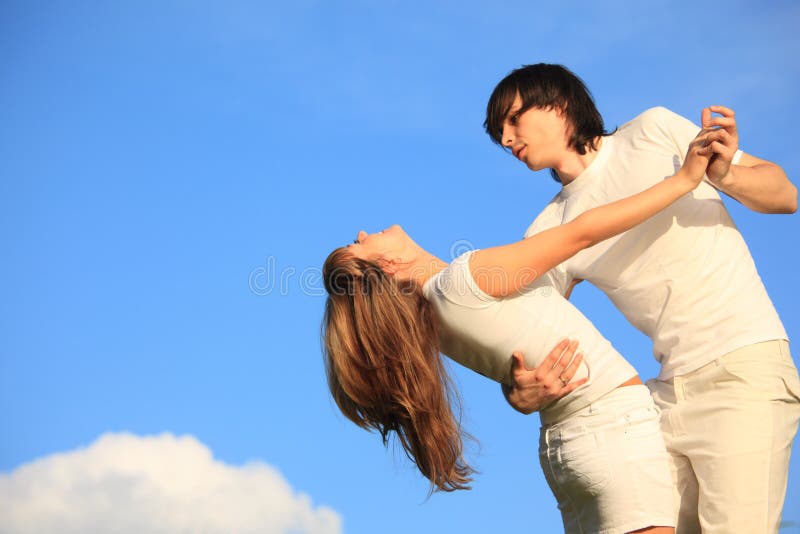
<point x="547" y="86"/>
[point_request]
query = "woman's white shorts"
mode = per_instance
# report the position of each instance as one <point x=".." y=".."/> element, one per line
<point x="607" y="465"/>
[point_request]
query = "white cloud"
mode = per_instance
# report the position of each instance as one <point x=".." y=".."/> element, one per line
<point x="124" y="483"/>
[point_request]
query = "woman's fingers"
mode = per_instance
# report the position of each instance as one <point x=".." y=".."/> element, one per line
<point x="718" y="148"/>
<point x="716" y="141"/>
<point x="725" y="137"/>
<point x="720" y="142"/>
<point x="703" y="138"/>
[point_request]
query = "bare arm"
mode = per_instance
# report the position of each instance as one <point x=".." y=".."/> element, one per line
<point x="504" y="270"/>
<point x="575" y="282"/>
<point x="759" y="184"/>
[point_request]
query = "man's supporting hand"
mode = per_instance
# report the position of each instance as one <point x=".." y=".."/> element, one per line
<point x="534" y="389"/>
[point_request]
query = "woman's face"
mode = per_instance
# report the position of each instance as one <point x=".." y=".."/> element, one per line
<point x="380" y="246"/>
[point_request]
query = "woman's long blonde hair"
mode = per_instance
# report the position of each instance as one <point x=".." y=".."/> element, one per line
<point x="384" y="369"/>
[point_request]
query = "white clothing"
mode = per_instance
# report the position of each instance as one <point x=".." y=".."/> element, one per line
<point x="728" y="427"/>
<point x="607" y="466"/>
<point x="600" y="446"/>
<point x="685" y="277"/>
<point x="481" y="332"/>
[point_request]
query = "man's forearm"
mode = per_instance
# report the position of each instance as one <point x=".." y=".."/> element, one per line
<point x="763" y="187"/>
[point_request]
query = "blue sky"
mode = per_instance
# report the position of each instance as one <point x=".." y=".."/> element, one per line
<point x="158" y="160"/>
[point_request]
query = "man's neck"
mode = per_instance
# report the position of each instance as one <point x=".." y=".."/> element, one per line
<point x="573" y="164"/>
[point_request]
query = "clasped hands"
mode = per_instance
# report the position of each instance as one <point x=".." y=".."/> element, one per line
<point x="725" y="143"/>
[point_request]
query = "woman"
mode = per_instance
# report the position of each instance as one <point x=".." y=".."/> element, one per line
<point x="393" y="307"/>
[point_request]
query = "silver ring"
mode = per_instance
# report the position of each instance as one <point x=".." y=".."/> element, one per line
<point x="563" y="380"/>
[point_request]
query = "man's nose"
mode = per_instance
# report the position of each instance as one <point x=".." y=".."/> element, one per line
<point x="507" y="137"/>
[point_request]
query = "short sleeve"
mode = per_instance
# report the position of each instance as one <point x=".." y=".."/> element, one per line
<point x="677" y="129"/>
<point x="456" y="284"/>
<point x="557" y="277"/>
<point x="681" y="131"/>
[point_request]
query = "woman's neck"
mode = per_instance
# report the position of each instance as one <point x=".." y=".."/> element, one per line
<point x="418" y="265"/>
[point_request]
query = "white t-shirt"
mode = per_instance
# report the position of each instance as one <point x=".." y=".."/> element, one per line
<point x="685" y="277"/>
<point x="480" y="332"/>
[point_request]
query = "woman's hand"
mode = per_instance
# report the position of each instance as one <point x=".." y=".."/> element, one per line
<point x="698" y="156"/>
<point x="534" y="389"/>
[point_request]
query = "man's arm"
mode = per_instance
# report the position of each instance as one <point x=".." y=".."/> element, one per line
<point x="520" y="264"/>
<point x="534" y="389"/>
<point x="575" y="282"/>
<point x="758" y="184"/>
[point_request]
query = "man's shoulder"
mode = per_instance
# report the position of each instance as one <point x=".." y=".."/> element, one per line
<point x="659" y="129"/>
<point x="652" y="120"/>
<point x="549" y="217"/>
<point x="656" y="114"/>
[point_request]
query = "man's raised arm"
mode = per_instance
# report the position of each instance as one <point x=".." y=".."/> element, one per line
<point x="758" y="184"/>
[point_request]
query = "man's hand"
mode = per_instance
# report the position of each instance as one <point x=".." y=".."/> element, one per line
<point x="534" y="389"/>
<point x="726" y="143"/>
<point x="759" y="184"/>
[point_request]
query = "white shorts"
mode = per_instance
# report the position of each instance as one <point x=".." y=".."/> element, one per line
<point x="607" y="465"/>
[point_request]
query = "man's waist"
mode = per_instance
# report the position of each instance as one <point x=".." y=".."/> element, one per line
<point x="688" y="361"/>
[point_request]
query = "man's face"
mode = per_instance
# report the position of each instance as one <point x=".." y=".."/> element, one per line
<point x="537" y="137"/>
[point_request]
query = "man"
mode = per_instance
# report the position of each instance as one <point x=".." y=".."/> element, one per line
<point x="728" y="390"/>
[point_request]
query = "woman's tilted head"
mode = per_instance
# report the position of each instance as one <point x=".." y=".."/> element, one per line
<point x="383" y="365"/>
<point x="385" y="248"/>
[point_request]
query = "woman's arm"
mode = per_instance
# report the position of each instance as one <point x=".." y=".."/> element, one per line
<point x="501" y="271"/>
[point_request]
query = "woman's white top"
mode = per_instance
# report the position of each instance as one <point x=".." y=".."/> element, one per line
<point x="481" y="332"/>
